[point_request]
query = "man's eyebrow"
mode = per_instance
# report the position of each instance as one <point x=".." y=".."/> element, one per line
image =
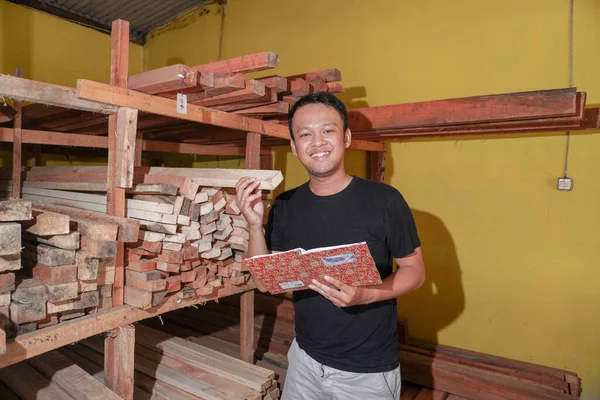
<point x="313" y="126"/>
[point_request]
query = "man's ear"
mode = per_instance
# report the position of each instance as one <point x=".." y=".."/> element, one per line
<point x="347" y="137"/>
<point x="293" y="146"/>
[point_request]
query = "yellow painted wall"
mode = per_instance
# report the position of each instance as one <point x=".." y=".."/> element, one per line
<point x="51" y="49"/>
<point x="512" y="263"/>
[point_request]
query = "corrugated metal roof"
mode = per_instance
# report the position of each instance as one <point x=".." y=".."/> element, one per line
<point x="143" y="15"/>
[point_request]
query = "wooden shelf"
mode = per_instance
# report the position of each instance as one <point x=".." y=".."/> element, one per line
<point x="53" y="337"/>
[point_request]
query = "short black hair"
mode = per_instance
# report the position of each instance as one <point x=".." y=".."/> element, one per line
<point x="325" y="98"/>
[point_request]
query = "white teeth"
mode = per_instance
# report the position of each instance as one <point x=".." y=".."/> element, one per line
<point x="324" y="153"/>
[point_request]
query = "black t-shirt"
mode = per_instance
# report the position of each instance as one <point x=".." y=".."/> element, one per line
<point x="360" y="338"/>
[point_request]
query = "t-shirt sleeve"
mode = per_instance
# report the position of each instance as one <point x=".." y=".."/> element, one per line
<point x="402" y="237"/>
<point x="273" y="231"/>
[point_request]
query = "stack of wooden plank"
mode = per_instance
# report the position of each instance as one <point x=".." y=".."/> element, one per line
<point x="51" y="375"/>
<point x="222" y="84"/>
<point x="447" y="371"/>
<point x="166" y="367"/>
<point x="191" y="236"/>
<point x="12" y="212"/>
<point x="68" y="268"/>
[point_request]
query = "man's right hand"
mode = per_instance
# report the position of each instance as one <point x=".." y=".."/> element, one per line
<point x="249" y="201"/>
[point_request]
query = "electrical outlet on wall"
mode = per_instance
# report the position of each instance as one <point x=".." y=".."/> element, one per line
<point x="565" y="184"/>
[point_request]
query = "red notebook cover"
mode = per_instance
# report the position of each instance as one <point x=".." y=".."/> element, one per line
<point x="294" y="269"/>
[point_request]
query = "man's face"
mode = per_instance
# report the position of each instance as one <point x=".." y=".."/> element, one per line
<point x="319" y="139"/>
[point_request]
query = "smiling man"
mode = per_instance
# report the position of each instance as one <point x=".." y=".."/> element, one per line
<point x="346" y="344"/>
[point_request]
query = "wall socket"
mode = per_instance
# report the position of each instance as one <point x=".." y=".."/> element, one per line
<point x="565" y="184"/>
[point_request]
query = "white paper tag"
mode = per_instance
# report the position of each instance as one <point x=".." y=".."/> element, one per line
<point x="345" y="258"/>
<point x="181" y="103"/>
<point x="291" y="285"/>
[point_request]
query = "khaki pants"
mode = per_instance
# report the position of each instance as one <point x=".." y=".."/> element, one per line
<point x="307" y="379"/>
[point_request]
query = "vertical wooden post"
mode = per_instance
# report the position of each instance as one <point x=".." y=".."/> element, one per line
<point x="377" y="166"/>
<point x="247" y="298"/>
<point x="119" y="349"/>
<point x="16" y="155"/>
<point x="115" y="196"/>
<point x="118" y="371"/>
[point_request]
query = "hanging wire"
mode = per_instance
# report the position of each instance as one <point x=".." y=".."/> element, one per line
<point x="222" y="29"/>
<point x="571" y="84"/>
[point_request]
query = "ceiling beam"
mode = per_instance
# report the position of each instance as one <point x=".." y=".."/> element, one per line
<point x="58" y="12"/>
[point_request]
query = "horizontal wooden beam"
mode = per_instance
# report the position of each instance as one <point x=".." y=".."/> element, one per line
<point x="49" y="94"/>
<point x="107" y="94"/>
<point x="467" y="110"/>
<point x="244" y="64"/>
<point x="79" y="140"/>
<point x="89" y="23"/>
<point x="187" y="148"/>
<point x="41" y="341"/>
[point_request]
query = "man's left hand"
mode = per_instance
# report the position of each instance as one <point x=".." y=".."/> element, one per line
<point x="340" y="294"/>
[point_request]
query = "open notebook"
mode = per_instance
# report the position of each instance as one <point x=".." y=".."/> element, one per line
<point x="294" y="269"/>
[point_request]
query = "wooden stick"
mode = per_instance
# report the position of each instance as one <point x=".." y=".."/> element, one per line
<point x="16" y="154"/>
<point x="170" y="78"/>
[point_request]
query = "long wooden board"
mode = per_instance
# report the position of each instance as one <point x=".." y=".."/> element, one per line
<point x="47" y="93"/>
<point x="492" y="108"/>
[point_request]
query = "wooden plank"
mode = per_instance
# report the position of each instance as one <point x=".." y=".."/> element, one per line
<point x="327" y="75"/>
<point x="10" y="239"/>
<point x="45" y="223"/>
<point x="28" y="383"/>
<point x="71" y="378"/>
<point x="172" y="77"/>
<point x="15" y="210"/>
<point x="268" y="110"/>
<point x="49" y="94"/>
<point x="125" y="150"/>
<point x="119" y="349"/>
<point x="491" y="108"/>
<point x="186" y="148"/>
<point x="244" y="64"/>
<point x="17" y="138"/>
<point x="377" y="166"/>
<point x="215" y="177"/>
<point x="251" y="91"/>
<point x="55" y="138"/>
<point x="207" y="359"/>
<point x="2" y="341"/>
<point x="39" y="342"/>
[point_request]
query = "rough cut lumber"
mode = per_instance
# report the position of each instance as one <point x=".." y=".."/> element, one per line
<point x="215" y="177"/>
<point x="68" y="241"/>
<point x="28" y="383"/>
<point x="46" y="223"/>
<point x="49" y="94"/>
<point x="126" y="135"/>
<point x="10" y="238"/>
<point x="71" y="378"/>
<point x="491" y="108"/>
<point x="7" y="113"/>
<point x="244" y="64"/>
<point x="15" y="210"/>
<point x="49" y="255"/>
<point x="170" y="78"/>
<point x="252" y="91"/>
<point x="328" y="75"/>
<point x="128" y="228"/>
